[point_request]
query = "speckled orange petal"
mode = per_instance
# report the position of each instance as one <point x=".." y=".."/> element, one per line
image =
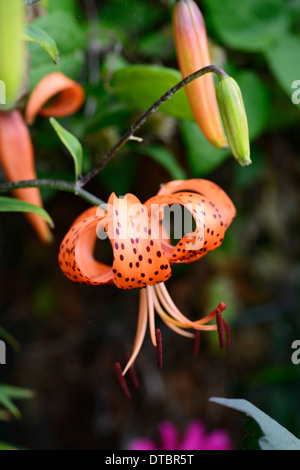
<point x="138" y="257"/>
<point x="209" y="231"/>
<point x="206" y="188"/>
<point x="17" y="160"/>
<point x="67" y="97"/>
<point x="76" y="255"/>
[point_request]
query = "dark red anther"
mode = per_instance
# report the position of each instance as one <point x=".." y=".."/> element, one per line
<point x="220" y="326"/>
<point x="132" y="374"/>
<point x="196" y="343"/>
<point x="122" y="380"/>
<point x="228" y="334"/>
<point x="159" y="348"/>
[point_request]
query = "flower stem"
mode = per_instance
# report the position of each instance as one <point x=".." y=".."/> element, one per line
<point x="54" y="184"/>
<point x="128" y="135"/>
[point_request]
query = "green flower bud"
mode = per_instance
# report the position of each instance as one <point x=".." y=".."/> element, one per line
<point x="234" y="118"/>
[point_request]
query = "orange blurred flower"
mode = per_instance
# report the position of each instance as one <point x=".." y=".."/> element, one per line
<point x="193" y="54"/>
<point x="16" y="149"/>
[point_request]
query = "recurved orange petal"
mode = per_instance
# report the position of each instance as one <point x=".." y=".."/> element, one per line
<point x="206" y="188"/>
<point x="17" y="159"/>
<point x="76" y="255"/>
<point x="66" y="96"/>
<point x="207" y="235"/>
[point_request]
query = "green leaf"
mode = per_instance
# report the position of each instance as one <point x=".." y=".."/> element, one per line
<point x="69" y="6"/>
<point x="166" y="159"/>
<point x="140" y="86"/>
<point x="158" y="44"/>
<point x="16" y="393"/>
<point x="9" y="204"/>
<point x="35" y="34"/>
<point x="9" y="393"/>
<point x="71" y="143"/>
<point x="275" y="436"/>
<point x="71" y="42"/>
<point x="4" y="446"/>
<point x="9" y="405"/>
<point x="248" y="26"/>
<point x="9" y="338"/>
<point x="283" y="60"/>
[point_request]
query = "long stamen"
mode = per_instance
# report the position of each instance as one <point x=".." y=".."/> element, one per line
<point x="222" y="306"/>
<point x="166" y="318"/>
<point x="179" y="331"/>
<point x="167" y="300"/>
<point x="151" y="314"/>
<point x="122" y="380"/>
<point x="141" y="329"/>
<point x="159" y="348"/>
<point x="170" y="307"/>
<point x="182" y="321"/>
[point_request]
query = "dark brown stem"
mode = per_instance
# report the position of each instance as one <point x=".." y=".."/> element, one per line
<point x="210" y="68"/>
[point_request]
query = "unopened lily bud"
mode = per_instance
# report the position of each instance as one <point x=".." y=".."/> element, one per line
<point x="193" y="54"/>
<point x="234" y="118"/>
<point x="12" y="53"/>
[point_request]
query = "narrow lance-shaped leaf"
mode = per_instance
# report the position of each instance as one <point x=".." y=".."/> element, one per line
<point x="4" y="446"/>
<point x="9" y="405"/>
<point x="71" y="143"/>
<point x="35" y="34"/>
<point x="9" y="338"/>
<point x="17" y="393"/>
<point x="275" y="436"/>
<point x="8" y="204"/>
<point x="8" y="393"/>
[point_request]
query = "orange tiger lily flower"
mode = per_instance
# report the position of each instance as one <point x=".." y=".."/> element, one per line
<point x="142" y="260"/>
<point x="193" y="54"/>
<point x="16" y="149"/>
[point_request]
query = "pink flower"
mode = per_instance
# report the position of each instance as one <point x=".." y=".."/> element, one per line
<point x="194" y="438"/>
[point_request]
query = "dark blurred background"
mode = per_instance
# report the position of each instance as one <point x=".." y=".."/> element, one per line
<point x="71" y="335"/>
